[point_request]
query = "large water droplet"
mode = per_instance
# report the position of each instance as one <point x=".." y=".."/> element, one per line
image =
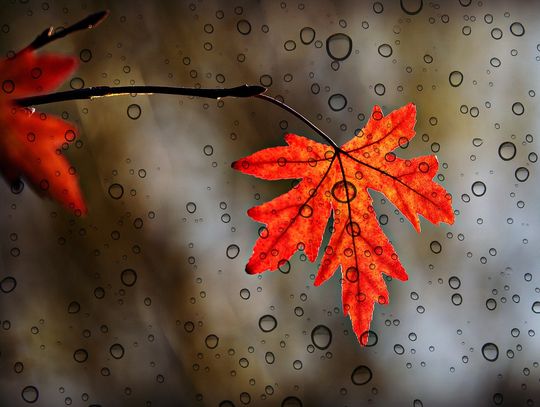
<point x="361" y="375"/>
<point x="267" y="323"/>
<point x="339" y="46"/>
<point x="321" y="336"/>
<point x="490" y="351"/>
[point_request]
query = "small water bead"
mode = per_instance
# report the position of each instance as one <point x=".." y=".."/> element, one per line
<point x="116" y="191"/>
<point x="339" y="46"/>
<point x="134" y="111"/>
<point x="478" y="188"/>
<point x="245" y="294"/>
<point x="128" y="277"/>
<point x="518" y="109"/>
<point x="191" y="207"/>
<point x="361" y="375"/>
<point x="117" y="351"/>
<point x="208" y="150"/>
<point x="8" y="284"/>
<point x="435" y="247"/>
<point x="321" y="336"/>
<point x="307" y="35"/>
<point x="291" y="401"/>
<point x="80" y="355"/>
<point x="457" y="299"/>
<point x="536" y="307"/>
<point x="211" y="341"/>
<point x="517" y="29"/>
<point x="269" y="357"/>
<point x="455" y="78"/>
<point x="232" y="251"/>
<point x="454" y="282"/>
<point x="337" y="102"/>
<point x="289" y="45"/>
<point x="379" y="89"/>
<point x="496" y="33"/>
<point x="477" y="142"/>
<point x="491" y="304"/>
<point x="243" y="27"/>
<point x="490" y="351"/>
<point x="385" y="50"/>
<point x="30" y="394"/>
<point x="267" y="323"/>
<point x="522" y="174"/>
<point x="507" y="150"/>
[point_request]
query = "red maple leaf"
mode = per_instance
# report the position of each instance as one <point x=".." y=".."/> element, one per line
<point x="336" y="181"/>
<point x="31" y="142"/>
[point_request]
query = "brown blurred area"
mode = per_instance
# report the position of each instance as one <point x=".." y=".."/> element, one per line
<point x="79" y="330"/>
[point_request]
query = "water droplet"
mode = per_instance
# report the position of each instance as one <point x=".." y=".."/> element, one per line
<point x="477" y="142"/>
<point x="491" y="304"/>
<point x="291" y="401"/>
<point x="507" y="150"/>
<point x="385" y="50"/>
<point x="496" y="33"/>
<point x="399" y="349"/>
<point x="307" y="35"/>
<point x="321" y="336"/>
<point x="490" y="351"/>
<point x="380" y="89"/>
<point x="522" y="174"/>
<point x="8" y="284"/>
<point x="232" y="251"/>
<point x="208" y="150"/>
<point x="457" y="299"/>
<point x="454" y="282"/>
<point x="361" y="375"/>
<point x="337" y="102"/>
<point x="536" y="307"/>
<point x="411" y="7"/>
<point x="339" y="46"/>
<point x="117" y="351"/>
<point x="74" y="307"/>
<point x="267" y="323"/>
<point x="517" y="29"/>
<point x="344" y="191"/>
<point x="128" y="277"/>
<point x="30" y="394"/>
<point x="80" y="355"/>
<point x="518" y="109"/>
<point x="269" y="358"/>
<point x="289" y="45"/>
<point x="211" y="341"/>
<point x="495" y="62"/>
<point x="455" y="78"/>
<point x="191" y="207"/>
<point x="244" y="293"/>
<point x="435" y="247"/>
<point x="243" y="27"/>
<point x="478" y="188"/>
<point x="134" y="111"/>
<point x="116" y="191"/>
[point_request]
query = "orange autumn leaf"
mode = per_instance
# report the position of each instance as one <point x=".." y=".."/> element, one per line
<point x="335" y="182"/>
<point x="31" y="142"/>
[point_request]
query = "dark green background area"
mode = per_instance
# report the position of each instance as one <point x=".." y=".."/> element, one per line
<point x="80" y="330"/>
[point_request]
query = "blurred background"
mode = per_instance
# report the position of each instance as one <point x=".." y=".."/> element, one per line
<point x="145" y="301"/>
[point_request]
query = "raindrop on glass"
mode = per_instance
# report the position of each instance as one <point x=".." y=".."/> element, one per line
<point x="267" y="323"/>
<point x="134" y="111"/>
<point x="361" y="375"/>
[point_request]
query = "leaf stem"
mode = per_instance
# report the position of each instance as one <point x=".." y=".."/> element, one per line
<point x="49" y="34"/>
<point x="300" y="116"/>
<point x="105" y="91"/>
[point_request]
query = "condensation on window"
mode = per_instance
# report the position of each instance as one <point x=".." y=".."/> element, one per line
<point x="145" y="300"/>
